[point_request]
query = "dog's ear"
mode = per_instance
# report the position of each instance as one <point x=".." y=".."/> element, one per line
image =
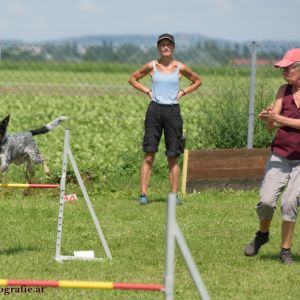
<point x="4" y="124"/>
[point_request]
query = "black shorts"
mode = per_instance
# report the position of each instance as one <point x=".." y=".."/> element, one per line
<point x="164" y="118"/>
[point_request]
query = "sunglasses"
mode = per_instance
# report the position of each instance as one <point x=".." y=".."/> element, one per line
<point x="287" y="69"/>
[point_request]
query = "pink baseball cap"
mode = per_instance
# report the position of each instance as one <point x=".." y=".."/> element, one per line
<point x="290" y="57"/>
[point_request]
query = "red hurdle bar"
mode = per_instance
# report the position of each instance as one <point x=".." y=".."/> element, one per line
<point x="83" y="284"/>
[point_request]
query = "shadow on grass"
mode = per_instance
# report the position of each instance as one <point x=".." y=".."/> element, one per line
<point x="158" y="199"/>
<point x="275" y="256"/>
<point x="154" y="200"/>
<point x="14" y="250"/>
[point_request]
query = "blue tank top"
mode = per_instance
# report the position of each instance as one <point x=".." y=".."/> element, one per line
<point x="165" y="86"/>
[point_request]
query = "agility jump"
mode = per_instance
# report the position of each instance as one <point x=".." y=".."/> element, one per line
<point x="107" y="285"/>
<point x="29" y="185"/>
<point x="67" y="154"/>
<point x="173" y="235"/>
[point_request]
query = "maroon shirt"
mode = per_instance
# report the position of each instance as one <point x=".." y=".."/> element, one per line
<point x="287" y="140"/>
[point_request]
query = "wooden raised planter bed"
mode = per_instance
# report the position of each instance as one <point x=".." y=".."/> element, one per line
<point x="223" y="168"/>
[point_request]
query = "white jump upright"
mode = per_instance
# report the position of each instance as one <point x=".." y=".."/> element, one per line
<point x="174" y="234"/>
<point x="68" y="154"/>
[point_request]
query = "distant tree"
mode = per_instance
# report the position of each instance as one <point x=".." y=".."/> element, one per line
<point x="130" y="53"/>
<point x="246" y="51"/>
<point x="105" y="52"/>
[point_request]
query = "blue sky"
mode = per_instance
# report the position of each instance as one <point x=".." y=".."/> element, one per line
<point x="235" y="20"/>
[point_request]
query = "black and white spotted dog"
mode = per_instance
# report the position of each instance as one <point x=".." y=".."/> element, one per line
<point x="21" y="148"/>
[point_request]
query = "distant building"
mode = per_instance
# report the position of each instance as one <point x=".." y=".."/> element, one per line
<point x="246" y="61"/>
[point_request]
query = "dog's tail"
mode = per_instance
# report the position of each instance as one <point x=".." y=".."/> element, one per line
<point x="50" y="126"/>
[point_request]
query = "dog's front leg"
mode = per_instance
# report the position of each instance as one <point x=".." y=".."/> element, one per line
<point x="4" y="162"/>
<point x="3" y="167"/>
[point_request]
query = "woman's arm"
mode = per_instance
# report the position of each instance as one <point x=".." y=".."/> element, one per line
<point x="284" y="121"/>
<point x="137" y="75"/>
<point x="193" y="77"/>
<point x="274" y="114"/>
<point x="276" y="108"/>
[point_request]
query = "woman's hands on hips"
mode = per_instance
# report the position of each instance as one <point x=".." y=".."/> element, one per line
<point x="180" y="94"/>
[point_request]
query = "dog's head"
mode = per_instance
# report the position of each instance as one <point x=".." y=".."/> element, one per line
<point x="3" y="127"/>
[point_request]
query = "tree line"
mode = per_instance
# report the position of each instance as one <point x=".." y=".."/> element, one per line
<point x="208" y="52"/>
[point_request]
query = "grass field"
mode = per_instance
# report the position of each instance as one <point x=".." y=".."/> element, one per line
<point x="216" y="226"/>
<point x="106" y="127"/>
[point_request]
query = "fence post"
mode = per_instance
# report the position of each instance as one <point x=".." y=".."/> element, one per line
<point x="252" y="98"/>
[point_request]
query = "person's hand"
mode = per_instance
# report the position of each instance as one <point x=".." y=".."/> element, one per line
<point x="149" y="93"/>
<point x="273" y="116"/>
<point x="180" y="94"/>
<point x="274" y="119"/>
<point x="264" y="114"/>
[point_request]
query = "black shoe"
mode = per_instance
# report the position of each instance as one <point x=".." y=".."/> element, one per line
<point x="285" y="256"/>
<point x="259" y="240"/>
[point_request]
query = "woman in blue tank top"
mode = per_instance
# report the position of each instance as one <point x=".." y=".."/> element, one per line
<point x="163" y="114"/>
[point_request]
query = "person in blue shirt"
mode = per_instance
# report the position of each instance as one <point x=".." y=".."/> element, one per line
<point x="163" y="113"/>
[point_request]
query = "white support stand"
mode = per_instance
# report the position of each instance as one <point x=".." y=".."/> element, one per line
<point x="173" y="234"/>
<point x="58" y="257"/>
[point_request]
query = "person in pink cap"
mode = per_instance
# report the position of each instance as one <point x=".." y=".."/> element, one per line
<point x="282" y="173"/>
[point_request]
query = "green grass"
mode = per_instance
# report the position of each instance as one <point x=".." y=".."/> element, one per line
<point x="106" y="127"/>
<point x="216" y="225"/>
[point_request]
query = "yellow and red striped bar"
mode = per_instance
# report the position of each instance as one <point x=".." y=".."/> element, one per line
<point x="83" y="284"/>
<point x="29" y="185"/>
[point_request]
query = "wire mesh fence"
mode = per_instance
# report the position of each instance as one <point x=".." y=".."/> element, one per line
<point x="215" y="115"/>
<point x="35" y="69"/>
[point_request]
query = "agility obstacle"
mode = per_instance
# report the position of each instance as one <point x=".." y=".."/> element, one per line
<point x="29" y="185"/>
<point x="173" y="235"/>
<point x="67" y="153"/>
<point x="83" y="284"/>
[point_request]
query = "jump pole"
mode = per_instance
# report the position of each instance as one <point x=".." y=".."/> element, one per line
<point x="173" y="236"/>
<point x="83" y="284"/>
<point x="29" y="185"/>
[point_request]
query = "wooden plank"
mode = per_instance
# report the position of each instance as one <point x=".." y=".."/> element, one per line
<point x="242" y="173"/>
<point x="227" y="163"/>
<point x="227" y="153"/>
<point x="225" y="167"/>
<point x="197" y="185"/>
